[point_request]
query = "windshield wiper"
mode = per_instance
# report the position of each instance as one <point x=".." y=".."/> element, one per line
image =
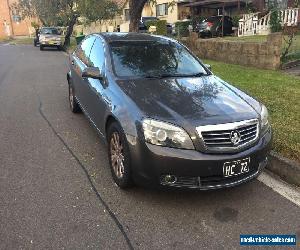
<point x="166" y="75"/>
<point x="197" y="74"/>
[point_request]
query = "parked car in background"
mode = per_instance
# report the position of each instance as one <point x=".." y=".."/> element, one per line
<point x="143" y="28"/>
<point x="50" y="37"/>
<point x="143" y="22"/>
<point x="212" y="26"/>
<point x="168" y="121"/>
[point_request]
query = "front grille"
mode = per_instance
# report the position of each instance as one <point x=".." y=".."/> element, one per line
<point x="229" y="136"/>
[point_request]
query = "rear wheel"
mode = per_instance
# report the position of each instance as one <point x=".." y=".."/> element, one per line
<point x="119" y="157"/>
<point x="41" y="47"/>
<point x="74" y="106"/>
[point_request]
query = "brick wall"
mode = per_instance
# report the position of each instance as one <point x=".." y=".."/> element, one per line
<point x="22" y="28"/>
<point x="264" y="55"/>
<point x="4" y="17"/>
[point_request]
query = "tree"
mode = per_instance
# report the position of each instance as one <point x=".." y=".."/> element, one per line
<point x="66" y="12"/>
<point x="135" y="12"/>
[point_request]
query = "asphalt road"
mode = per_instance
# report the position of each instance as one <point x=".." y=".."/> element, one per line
<point x="56" y="190"/>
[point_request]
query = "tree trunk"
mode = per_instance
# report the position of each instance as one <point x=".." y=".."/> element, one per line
<point x="70" y="30"/>
<point x="135" y="12"/>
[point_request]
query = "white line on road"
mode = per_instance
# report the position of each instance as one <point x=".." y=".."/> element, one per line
<point x="284" y="189"/>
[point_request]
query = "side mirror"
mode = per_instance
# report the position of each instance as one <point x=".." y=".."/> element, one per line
<point x="92" y="72"/>
<point x="208" y="66"/>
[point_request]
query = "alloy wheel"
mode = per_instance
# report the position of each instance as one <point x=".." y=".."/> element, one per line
<point x="116" y="155"/>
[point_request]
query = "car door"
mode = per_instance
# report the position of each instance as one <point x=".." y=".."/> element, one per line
<point x="98" y="101"/>
<point x="79" y="62"/>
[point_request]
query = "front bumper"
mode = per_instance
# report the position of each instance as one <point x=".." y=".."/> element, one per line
<point x="51" y="43"/>
<point x="193" y="169"/>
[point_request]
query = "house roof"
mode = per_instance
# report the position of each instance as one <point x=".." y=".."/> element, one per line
<point x="214" y="3"/>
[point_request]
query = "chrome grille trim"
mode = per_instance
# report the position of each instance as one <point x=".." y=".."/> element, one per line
<point x="216" y="138"/>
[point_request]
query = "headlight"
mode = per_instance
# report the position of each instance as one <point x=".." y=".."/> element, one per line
<point x="165" y="134"/>
<point x="264" y="117"/>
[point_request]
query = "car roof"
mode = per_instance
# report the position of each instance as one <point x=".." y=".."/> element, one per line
<point x="131" y="37"/>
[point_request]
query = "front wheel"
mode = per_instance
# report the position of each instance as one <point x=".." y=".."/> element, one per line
<point x="119" y="156"/>
<point x="74" y="106"/>
<point x="41" y="47"/>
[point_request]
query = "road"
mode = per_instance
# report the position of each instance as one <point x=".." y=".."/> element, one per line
<point x="56" y="191"/>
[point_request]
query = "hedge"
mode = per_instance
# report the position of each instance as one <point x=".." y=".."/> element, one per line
<point x="182" y="28"/>
<point x="161" y="26"/>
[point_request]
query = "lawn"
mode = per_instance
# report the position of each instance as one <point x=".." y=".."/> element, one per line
<point x="19" y="40"/>
<point x="279" y="92"/>
<point x="2" y="39"/>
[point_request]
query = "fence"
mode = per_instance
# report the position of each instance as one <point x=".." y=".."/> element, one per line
<point x="251" y="24"/>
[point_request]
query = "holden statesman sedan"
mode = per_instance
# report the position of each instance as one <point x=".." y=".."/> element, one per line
<point x="167" y="119"/>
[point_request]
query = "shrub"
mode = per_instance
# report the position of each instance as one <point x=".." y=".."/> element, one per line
<point x="275" y="21"/>
<point x="161" y="26"/>
<point x="182" y="28"/>
<point x="235" y="21"/>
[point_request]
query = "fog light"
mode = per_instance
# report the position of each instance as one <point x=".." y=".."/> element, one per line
<point x="170" y="179"/>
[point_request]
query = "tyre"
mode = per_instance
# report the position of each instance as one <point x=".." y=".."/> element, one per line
<point x="74" y="106"/>
<point x="35" y="43"/>
<point x="59" y="48"/>
<point x="41" y="47"/>
<point x="119" y="156"/>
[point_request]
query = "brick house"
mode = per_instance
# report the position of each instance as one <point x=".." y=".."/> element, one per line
<point x="11" y="24"/>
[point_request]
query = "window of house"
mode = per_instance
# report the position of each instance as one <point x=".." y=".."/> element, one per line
<point x="126" y="15"/>
<point x="16" y="16"/>
<point x="162" y="9"/>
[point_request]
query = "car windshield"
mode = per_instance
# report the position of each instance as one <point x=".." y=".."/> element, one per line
<point x="147" y="19"/>
<point x="153" y="59"/>
<point x="49" y="31"/>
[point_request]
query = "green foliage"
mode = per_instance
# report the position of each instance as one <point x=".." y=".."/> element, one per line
<point x="275" y="21"/>
<point x="182" y="28"/>
<point x="235" y="21"/>
<point x="95" y="10"/>
<point x="35" y="25"/>
<point x="161" y="26"/>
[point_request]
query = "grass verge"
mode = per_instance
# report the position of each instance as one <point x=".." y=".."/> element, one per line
<point x="279" y="92"/>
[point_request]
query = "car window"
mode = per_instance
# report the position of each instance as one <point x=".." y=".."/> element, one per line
<point x="49" y="31"/>
<point x="212" y="19"/>
<point x="84" y="49"/>
<point x="97" y="54"/>
<point x="153" y="58"/>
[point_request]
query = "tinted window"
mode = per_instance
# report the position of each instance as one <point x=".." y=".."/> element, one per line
<point x="147" y="19"/>
<point x="213" y="19"/>
<point x="84" y="49"/>
<point x="151" y="58"/>
<point x="97" y="54"/>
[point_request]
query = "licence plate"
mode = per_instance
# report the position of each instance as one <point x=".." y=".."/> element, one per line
<point x="235" y="168"/>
